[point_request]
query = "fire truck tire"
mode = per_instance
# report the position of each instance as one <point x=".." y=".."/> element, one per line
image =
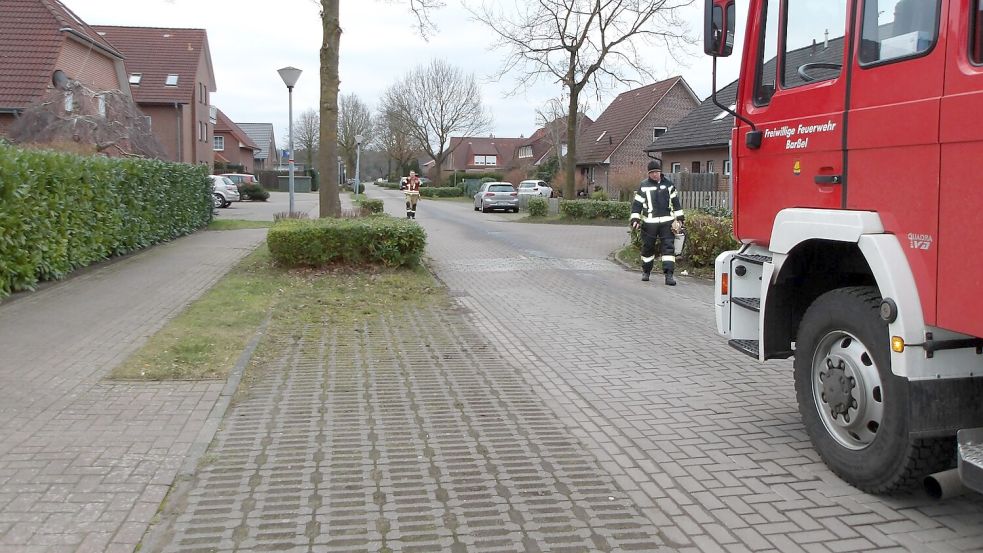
<point x="853" y="407"/>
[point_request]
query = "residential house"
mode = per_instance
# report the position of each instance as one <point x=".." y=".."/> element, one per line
<point x="472" y="154"/>
<point x="40" y="37"/>
<point x="268" y="156"/>
<point x="699" y="142"/>
<point x="541" y="146"/>
<point x="170" y="75"/>
<point x="231" y="144"/>
<point x="611" y="152"/>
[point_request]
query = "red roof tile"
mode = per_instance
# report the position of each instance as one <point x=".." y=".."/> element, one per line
<point x="225" y="125"/>
<point x="32" y="33"/>
<point x="465" y="148"/>
<point x="601" y="139"/>
<point x="156" y="53"/>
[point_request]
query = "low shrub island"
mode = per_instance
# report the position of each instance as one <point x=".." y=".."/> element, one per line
<point x="376" y="240"/>
<point x="595" y="209"/>
<point x="371" y="206"/>
<point x="538" y="207"/>
<point x="253" y="191"/>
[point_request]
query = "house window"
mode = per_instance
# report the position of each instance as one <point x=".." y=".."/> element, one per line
<point x="675" y="168"/>
<point x="723" y="114"/>
<point x="709" y="166"/>
<point x="695" y="167"/>
<point x="147" y="121"/>
<point x="171" y="80"/>
<point x="525" y="151"/>
<point x="69" y="101"/>
<point x="727" y="167"/>
<point x="485" y="160"/>
<point x="563" y="149"/>
<point x="201" y="131"/>
<point x="218" y="143"/>
<point x="135" y="78"/>
<point x="101" y="105"/>
<point x="658" y="131"/>
<point x="601" y="136"/>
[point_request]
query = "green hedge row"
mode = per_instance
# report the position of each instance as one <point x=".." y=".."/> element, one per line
<point x="372" y="206"/>
<point x="59" y="212"/>
<point x="367" y="240"/>
<point x="538" y="207"/>
<point x="441" y="192"/>
<point x="595" y="209"/>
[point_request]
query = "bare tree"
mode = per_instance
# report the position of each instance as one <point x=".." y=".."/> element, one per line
<point x="354" y="118"/>
<point x="433" y="102"/>
<point x="393" y="138"/>
<point x="552" y="116"/>
<point x="108" y="121"/>
<point x="583" y="43"/>
<point x="307" y="131"/>
<point x="330" y="204"/>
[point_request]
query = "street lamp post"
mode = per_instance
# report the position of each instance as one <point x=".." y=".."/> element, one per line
<point x="290" y="76"/>
<point x="358" y="160"/>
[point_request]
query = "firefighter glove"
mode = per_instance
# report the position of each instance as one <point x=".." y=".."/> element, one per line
<point x="635" y="224"/>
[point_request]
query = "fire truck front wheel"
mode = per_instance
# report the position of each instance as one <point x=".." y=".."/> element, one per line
<point x="854" y="408"/>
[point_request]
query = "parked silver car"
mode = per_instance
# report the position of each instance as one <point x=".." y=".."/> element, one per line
<point x="224" y="191"/>
<point x="496" y="195"/>
<point x="535" y="188"/>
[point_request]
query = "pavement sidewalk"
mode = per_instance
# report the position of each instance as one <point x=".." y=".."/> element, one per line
<point x="85" y="462"/>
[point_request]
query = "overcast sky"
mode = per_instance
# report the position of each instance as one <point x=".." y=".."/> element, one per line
<point x="250" y="40"/>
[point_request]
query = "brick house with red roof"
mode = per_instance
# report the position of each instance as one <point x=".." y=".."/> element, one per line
<point x="170" y="77"/>
<point x="474" y="154"/>
<point x="541" y="146"/>
<point x="611" y="152"/>
<point x="38" y="37"/>
<point x="231" y="144"/>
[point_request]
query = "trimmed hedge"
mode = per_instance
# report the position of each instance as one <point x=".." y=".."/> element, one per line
<point x="366" y="240"/>
<point x="253" y="191"/>
<point x="389" y="185"/>
<point x="441" y="192"/>
<point x="59" y="212"/>
<point x="372" y="206"/>
<point x="595" y="209"/>
<point x="538" y="207"/>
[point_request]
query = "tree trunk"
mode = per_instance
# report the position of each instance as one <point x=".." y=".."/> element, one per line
<point x="569" y="163"/>
<point x="327" y="155"/>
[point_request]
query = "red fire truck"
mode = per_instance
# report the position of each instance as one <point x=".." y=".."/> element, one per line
<point x="857" y="179"/>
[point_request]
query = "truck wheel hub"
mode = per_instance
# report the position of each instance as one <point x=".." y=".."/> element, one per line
<point x="848" y="390"/>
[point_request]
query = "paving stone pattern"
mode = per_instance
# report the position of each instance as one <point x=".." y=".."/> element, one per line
<point x="85" y="463"/>
<point x="414" y="436"/>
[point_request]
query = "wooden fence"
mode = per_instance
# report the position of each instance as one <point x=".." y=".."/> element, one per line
<point x="694" y="200"/>
<point x="702" y="182"/>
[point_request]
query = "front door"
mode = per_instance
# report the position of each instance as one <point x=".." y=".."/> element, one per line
<point x="797" y="100"/>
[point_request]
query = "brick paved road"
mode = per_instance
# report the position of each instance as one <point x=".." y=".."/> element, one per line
<point x="705" y="441"/>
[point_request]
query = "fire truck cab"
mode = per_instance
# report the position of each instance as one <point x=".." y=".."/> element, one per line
<point x="857" y="182"/>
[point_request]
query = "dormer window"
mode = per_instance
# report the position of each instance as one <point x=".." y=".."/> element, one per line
<point x="135" y="78"/>
<point x="658" y="131"/>
<point x="171" y="80"/>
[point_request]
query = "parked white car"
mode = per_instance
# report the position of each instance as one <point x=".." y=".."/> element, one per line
<point x="224" y="191"/>
<point x="535" y="188"/>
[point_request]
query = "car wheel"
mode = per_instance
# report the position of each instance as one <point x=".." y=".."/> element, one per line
<point x="515" y="210"/>
<point x="227" y="204"/>
<point x="853" y="407"/>
<point x="476" y="208"/>
<point x="218" y="200"/>
<point x="483" y="208"/>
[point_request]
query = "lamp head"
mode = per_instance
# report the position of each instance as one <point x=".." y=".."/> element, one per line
<point x="289" y="75"/>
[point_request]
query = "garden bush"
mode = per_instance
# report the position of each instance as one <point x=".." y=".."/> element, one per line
<point x="538" y="207"/>
<point x="372" y="240"/>
<point x="441" y="192"/>
<point x="59" y="212"/>
<point x="707" y="236"/>
<point x="595" y="209"/>
<point x="372" y="206"/>
<point x="599" y="195"/>
<point x="253" y="191"/>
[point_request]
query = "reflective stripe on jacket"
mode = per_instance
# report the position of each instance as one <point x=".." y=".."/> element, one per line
<point x="656" y="202"/>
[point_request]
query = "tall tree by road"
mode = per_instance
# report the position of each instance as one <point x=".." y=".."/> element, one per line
<point x="330" y="204"/>
<point x="584" y="43"/>
<point x="354" y="118"/>
<point x="307" y="131"/>
<point x="393" y="138"/>
<point x="434" y="102"/>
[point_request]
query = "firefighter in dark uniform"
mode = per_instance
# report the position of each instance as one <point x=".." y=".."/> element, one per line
<point x="657" y="213"/>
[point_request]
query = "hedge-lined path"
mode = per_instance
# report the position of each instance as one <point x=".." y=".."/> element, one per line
<point x="85" y="462"/>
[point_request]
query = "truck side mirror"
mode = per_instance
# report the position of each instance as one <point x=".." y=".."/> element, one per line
<point x="719" y="20"/>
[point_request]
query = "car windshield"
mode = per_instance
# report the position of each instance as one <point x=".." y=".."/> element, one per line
<point x="501" y="188"/>
<point x="227" y="180"/>
<point x="529" y="184"/>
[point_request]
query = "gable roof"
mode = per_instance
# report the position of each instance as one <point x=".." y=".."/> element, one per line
<point x="622" y="116"/>
<point x="466" y="147"/>
<point x="539" y="142"/>
<point x="32" y="33"/>
<point x="157" y="52"/>
<point x="701" y="128"/>
<point x="225" y="125"/>
<point x="262" y="135"/>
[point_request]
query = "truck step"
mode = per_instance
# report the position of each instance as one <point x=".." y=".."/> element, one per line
<point x="754" y="258"/>
<point x="747" y="347"/>
<point x="754" y="304"/>
<point x="971" y="458"/>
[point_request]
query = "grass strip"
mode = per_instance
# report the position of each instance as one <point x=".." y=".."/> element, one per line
<point x="237" y="224"/>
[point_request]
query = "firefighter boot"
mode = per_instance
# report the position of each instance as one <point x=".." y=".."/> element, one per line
<point x="645" y="277"/>
<point x="669" y="280"/>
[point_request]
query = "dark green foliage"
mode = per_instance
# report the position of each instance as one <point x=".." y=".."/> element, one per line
<point x="441" y="192"/>
<point x="599" y="195"/>
<point x="59" y="212"/>
<point x="707" y="236"/>
<point x="717" y="211"/>
<point x="222" y="168"/>
<point x="538" y="207"/>
<point x="548" y="170"/>
<point x="366" y="240"/>
<point x="253" y="192"/>
<point x="595" y="209"/>
<point x="372" y="206"/>
<point x="388" y="185"/>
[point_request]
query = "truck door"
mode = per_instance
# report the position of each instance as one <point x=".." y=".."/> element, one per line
<point x="893" y="128"/>
<point x="797" y="100"/>
<point x="960" y="238"/>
